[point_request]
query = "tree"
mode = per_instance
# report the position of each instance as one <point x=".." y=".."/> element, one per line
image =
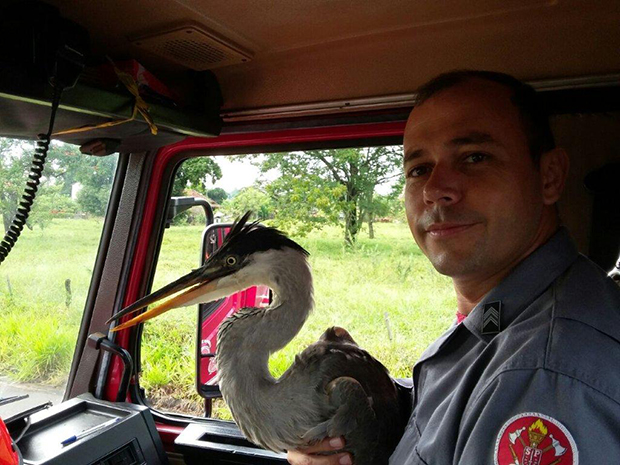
<point x="50" y="203"/>
<point x="317" y="187"/>
<point x="193" y="174"/>
<point x="374" y="205"/>
<point x="14" y="169"/>
<point x="217" y="194"/>
<point x="96" y="183"/>
<point x="66" y="165"/>
<point x="249" y="198"/>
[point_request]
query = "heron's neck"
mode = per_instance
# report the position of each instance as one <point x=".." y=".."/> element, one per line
<point x="253" y="334"/>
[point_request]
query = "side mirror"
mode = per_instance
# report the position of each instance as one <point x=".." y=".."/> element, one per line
<point x="211" y="315"/>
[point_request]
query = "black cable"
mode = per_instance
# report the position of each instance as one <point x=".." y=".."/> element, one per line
<point x="32" y="185"/>
<point x="24" y="430"/>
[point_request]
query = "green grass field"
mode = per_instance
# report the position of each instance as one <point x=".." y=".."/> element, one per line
<point x="382" y="283"/>
<point x="37" y="328"/>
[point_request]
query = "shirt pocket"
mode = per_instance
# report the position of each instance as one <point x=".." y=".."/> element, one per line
<point x="405" y="452"/>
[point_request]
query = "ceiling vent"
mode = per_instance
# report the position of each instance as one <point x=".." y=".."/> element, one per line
<point x="194" y="47"/>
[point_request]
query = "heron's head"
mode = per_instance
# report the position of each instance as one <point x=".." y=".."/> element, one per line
<point x="248" y="251"/>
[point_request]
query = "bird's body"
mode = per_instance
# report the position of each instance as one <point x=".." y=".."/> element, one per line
<point x="298" y="409"/>
<point x="333" y="388"/>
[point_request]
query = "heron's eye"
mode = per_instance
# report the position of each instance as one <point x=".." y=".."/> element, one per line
<point x="231" y="260"/>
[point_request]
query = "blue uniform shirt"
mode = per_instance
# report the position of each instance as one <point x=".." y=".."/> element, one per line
<point x="543" y="390"/>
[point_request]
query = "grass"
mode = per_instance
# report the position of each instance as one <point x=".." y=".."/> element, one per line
<point x="384" y="292"/>
<point x="37" y="329"/>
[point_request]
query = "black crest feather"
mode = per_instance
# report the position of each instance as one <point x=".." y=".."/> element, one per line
<point x="246" y="237"/>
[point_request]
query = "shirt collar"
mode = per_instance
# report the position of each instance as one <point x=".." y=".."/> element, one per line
<point x="525" y="283"/>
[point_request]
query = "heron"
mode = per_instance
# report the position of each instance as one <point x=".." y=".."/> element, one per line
<point x="333" y="388"/>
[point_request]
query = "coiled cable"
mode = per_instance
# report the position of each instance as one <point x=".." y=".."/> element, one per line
<point x="32" y="185"/>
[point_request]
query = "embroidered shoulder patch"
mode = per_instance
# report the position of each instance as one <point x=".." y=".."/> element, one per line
<point x="535" y="439"/>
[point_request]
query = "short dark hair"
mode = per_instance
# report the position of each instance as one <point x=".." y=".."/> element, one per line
<point x="533" y="113"/>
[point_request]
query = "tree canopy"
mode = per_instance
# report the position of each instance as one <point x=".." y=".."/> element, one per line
<point x="333" y="186"/>
<point x="65" y="166"/>
<point x="217" y="194"/>
<point x="249" y="198"/>
<point x="194" y="173"/>
<point x="13" y="174"/>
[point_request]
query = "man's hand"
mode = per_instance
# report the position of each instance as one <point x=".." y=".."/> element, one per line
<point x="308" y="455"/>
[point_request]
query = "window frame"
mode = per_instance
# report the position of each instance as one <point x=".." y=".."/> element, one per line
<point x="151" y="229"/>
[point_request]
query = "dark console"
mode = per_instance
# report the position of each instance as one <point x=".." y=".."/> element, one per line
<point x="87" y="431"/>
<point x="221" y="443"/>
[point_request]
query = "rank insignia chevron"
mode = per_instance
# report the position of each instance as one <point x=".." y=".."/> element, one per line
<point x="491" y="316"/>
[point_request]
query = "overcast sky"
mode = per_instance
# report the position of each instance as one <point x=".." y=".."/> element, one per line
<point x="237" y="174"/>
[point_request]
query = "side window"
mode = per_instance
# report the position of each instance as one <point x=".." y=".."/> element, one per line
<point x="44" y="280"/>
<point x="346" y="208"/>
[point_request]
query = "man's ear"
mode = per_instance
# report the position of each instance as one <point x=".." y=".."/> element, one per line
<point x="553" y="170"/>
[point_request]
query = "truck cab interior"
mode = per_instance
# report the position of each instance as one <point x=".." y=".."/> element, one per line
<point x="158" y="83"/>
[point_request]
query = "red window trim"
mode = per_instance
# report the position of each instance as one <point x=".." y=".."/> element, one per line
<point x="240" y="141"/>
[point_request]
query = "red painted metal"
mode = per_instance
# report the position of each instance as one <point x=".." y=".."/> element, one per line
<point x="256" y="296"/>
<point x="168" y="434"/>
<point x="8" y="455"/>
<point x="210" y="145"/>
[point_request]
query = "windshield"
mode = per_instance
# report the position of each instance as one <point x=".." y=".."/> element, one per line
<point x="44" y="280"/>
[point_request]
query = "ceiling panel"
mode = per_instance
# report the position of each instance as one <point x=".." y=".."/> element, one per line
<point x="324" y="50"/>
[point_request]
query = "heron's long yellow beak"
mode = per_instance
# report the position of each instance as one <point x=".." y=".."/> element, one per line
<point x="193" y="295"/>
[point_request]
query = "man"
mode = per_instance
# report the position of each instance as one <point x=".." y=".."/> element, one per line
<point x="531" y="375"/>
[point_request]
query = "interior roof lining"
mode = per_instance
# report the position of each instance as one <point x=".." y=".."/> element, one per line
<point x="333" y="52"/>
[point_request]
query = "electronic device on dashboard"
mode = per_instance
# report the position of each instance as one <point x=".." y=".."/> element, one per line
<point x="88" y="431"/>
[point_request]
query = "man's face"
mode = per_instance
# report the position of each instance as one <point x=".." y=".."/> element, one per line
<point x="473" y="195"/>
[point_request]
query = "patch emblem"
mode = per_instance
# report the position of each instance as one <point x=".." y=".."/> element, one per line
<point x="491" y="317"/>
<point x="535" y="439"/>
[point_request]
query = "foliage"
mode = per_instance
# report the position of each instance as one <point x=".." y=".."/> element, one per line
<point x="67" y="165"/>
<point x="319" y="187"/>
<point x="305" y="203"/>
<point x="218" y="194"/>
<point x="51" y="203"/>
<point x="13" y="174"/>
<point x="389" y="206"/>
<point x="64" y="167"/>
<point x="249" y="198"/>
<point x="194" y="173"/>
<point x="96" y="182"/>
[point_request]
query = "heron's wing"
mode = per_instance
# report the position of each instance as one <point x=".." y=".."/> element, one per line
<point x="351" y="407"/>
<point x="327" y="361"/>
<point x="353" y="418"/>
